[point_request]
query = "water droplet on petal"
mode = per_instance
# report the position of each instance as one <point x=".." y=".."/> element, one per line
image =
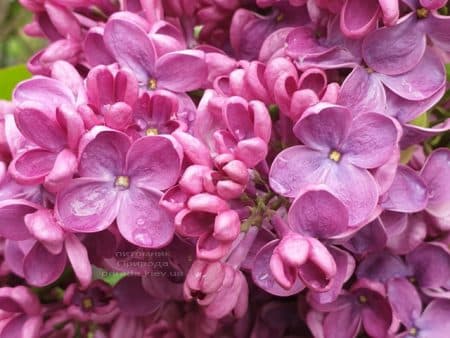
<point x="142" y="237"/>
<point x="140" y="221"/>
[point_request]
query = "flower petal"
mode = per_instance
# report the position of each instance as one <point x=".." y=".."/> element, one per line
<point x="434" y="321"/>
<point x="325" y="130"/>
<point x="408" y="192"/>
<point x="356" y="188"/>
<point x="362" y="93"/>
<point x="294" y="167"/>
<point x="87" y="205"/>
<point x="394" y="50"/>
<point x="435" y="173"/>
<point x="421" y="82"/>
<point x="358" y="18"/>
<point x="154" y="162"/>
<point x="102" y="154"/>
<point x="47" y="92"/>
<point x="344" y="323"/>
<point x="78" y="257"/>
<point x="181" y="71"/>
<point x="38" y="127"/>
<point x="371" y="141"/>
<point x="142" y="221"/>
<point x="131" y="47"/>
<point x="262" y="276"/>
<point x="32" y="166"/>
<point x="12" y="213"/>
<point x="42" y="268"/>
<point x="405" y="301"/>
<point x="308" y="217"/>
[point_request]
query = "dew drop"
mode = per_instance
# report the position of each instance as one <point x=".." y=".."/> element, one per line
<point x="140" y="221"/>
<point x="142" y="237"/>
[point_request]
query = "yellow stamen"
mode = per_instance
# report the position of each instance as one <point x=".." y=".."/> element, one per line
<point x="422" y="13"/>
<point x="370" y="70"/>
<point x="151" y="132"/>
<point x="362" y="299"/>
<point x="335" y="155"/>
<point x="87" y="303"/>
<point x="413" y="331"/>
<point x="122" y="181"/>
<point x="152" y="83"/>
<point x="280" y="17"/>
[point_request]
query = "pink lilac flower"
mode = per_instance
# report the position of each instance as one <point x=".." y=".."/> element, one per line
<point x="117" y="181"/>
<point x="337" y="149"/>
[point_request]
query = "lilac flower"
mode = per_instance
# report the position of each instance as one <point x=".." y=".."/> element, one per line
<point x="92" y="304"/>
<point x="50" y="106"/>
<point x="408" y="308"/>
<point x="38" y="248"/>
<point x="218" y="288"/>
<point x="20" y="313"/>
<point x="117" y="181"/>
<point x="337" y="152"/>
<point x="153" y="71"/>
<point x="364" y="306"/>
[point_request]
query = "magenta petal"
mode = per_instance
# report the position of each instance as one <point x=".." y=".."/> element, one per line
<point x="394" y="50"/>
<point x="413" y="134"/>
<point x="29" y="120"/>
<point x="356" y="188"/>
<point x="325" y="130"/>
<point x="371" y="141"/>
<point x="362" y="93"/>
<point x="22" y="326"/>
<point x="46" y="230"/>
<point x="435" y="173"/>
<point x="210" y="248"/>
<point x="78" y="257"/>
<point x="154" y="162"/>
<point x="181" y="71"/>
<point x="14" y="255"/>
<point x="262" y="276"/>
<point x="48" y="92"/>
<point x="131" y="47"/>
<point x="104" y="155"/>
<point x="294" y="167"/>
<point x="87" y="205"/>
<point x="377" y="317"/>
<point x="62" y="172"/>
<point x="344" y="323"/>
<point x="238" y="118"/>
<point x="430" y="275"/>
<point x="421" y="82"/>
<point x="308" y="217"/>
<point x="358" y="18"/>
<point x="95" y="49"/>
<point x="12" y="213"/>
<point x="408" y="192"/>
<point x="437" y="28"/>
<point x="32" y="166"/>
<point x="142" y="221"/>
<point x="434" y="320"/>
<point x="405" y="301"/>
<point x="370" y="238"/>
<point x="42" y="268"/>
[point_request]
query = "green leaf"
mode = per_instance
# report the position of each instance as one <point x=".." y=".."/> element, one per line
<point x="112" y="278"/>
<point x="447" y="68"/>
<point x="421" y="120"/>
<point x="10" y="77"/>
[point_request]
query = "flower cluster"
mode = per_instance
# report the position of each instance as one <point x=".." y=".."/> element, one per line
<point x="241" y="168"/>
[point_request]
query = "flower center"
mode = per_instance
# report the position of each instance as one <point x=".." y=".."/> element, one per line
<point x="280" y="17"/>
<point x="362" y="299"/>
<point x="422" y="13"/>
<point x="152" y="83"/>
<point x="151" y="132"/>
<point x="335" y="155"/>
<point x="413" y="331"/>
<point x="370" y="70"/>
<point x="122" y="182"/>
<point x="87" y="303"/>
